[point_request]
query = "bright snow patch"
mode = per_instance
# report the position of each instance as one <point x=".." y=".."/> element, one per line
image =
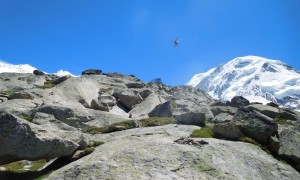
<point x="255" y="78"/>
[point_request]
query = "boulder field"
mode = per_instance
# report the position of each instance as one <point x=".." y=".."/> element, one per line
<point x="114" y="126"/>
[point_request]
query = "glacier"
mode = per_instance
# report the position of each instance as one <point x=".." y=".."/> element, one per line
<point x="256" y="78"/>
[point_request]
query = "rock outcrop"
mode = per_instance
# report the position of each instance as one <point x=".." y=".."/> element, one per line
<point x="152" y="153"/>
<point x="24" y="140"/>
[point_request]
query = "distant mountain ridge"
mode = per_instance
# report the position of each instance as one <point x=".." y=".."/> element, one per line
<point x="26" y="68"/>
<point x="256" y="78"/>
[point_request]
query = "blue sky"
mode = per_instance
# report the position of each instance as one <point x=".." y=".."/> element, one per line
<point x="135" y="36"/>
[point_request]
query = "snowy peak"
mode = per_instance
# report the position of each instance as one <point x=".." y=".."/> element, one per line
<point x="22" y="68"/>
<point x="26" y="68"/>
<point x="63" y="73"/>
<point x="257" y="79"/>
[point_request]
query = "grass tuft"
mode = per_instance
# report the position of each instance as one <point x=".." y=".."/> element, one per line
<point x="156" y="121"/>
<point x="206" y="132"/>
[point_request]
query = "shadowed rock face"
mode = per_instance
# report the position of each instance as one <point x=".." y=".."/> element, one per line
<point x="255" y="124"/>
<point x="23" y="140"/>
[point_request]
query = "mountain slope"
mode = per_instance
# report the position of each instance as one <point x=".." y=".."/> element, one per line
<point x="257" y="79"/>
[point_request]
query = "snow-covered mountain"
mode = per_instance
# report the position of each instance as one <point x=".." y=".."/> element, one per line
<point x="26" y="68"/>
<point x="64" y="73"/>
<point x="255" y="78"/>
<point x="22" y="68"/>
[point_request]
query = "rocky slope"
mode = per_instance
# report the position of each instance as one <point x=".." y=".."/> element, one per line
<point x="255" y="78"/>
<point x="62" y="120"/>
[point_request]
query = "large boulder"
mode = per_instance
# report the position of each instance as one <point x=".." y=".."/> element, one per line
<point x="289" y="143"/>
<point x="191" y="118"/>
<point x="239" y="101"/>
<point x="223" y="117"/>
<point x="91" y="72"/>
<point x="163" y="110"/>
<point x="24" y="140"/>
<point x="38" y="72"/>
<point x="59" y="80"/>
<point x="95" y="104"/>
<point x="216" y="110"/>
<point x="145" y="107"/>
<point x="254" y="124"/>
<point x="227" y="131"/>
<point x="59" y="112"/>
<point x="129" y="98"/>
<point x="49" y="122"/>
<point x="153" y="153"/>
<point x="21" y="95"/>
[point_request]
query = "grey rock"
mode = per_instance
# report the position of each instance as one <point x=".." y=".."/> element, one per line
<point x="151" y="153"/>
<point x="228" y="131"/>
<point x="163" y="110"/>
<point x="223" y="117"/>
<point x="255" y="124"/>
<point x="191" y="118"/>
<point x="216" y="110"/>
<point x="49" y="122"/>
<point x="266" y="110"/>
<point x="145" y="107"/>
<point x="135" y="85"/>
<point x="129" y="99"/>
<point x="38" y="72"/>
<point x="95" y="104"/>
<point x="59" y="80"/>
<point x="91" y="72"/>
<point x="59" y="112"/>
<point x="21" y="95"/>
<point x="107" y="100"/>
<point x="289" y="142"/>
<point x="23" y="140"/>
<point x="239" y="101"/>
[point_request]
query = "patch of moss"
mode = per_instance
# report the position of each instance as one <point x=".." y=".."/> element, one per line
<point x="37" y="164"/>
<point x="88" y="150"/>
<point x="280" y="120"/>
<point x="7" y="92"/>
<point x="48" y="84"/>
<point x="15" y="167"/>
<point x="206" y="132"/>
<point x="156" y="121"/>
<point x="95" y="143"/>
<point x="27" y="117"/>
<point x="248" y="140"/>
<point x="111" y="128"/>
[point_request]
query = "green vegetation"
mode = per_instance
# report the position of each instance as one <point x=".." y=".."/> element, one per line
<point x="129" y="124"/>
<point x="248" y="140"/>
<point x="18" y="167"/>
<point x="37" y="164"/>
<point x="88" y="150"/>
<point x="156" y="121"/>
<point x="47" y="84"/>
<point x="7" y="92"/>
<point x="26" y="117"/>
<point x="280" y="120"/>
<point x="206" y="132"/>
<point x="15" y="167"/>
<point x="95" y="143"/>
